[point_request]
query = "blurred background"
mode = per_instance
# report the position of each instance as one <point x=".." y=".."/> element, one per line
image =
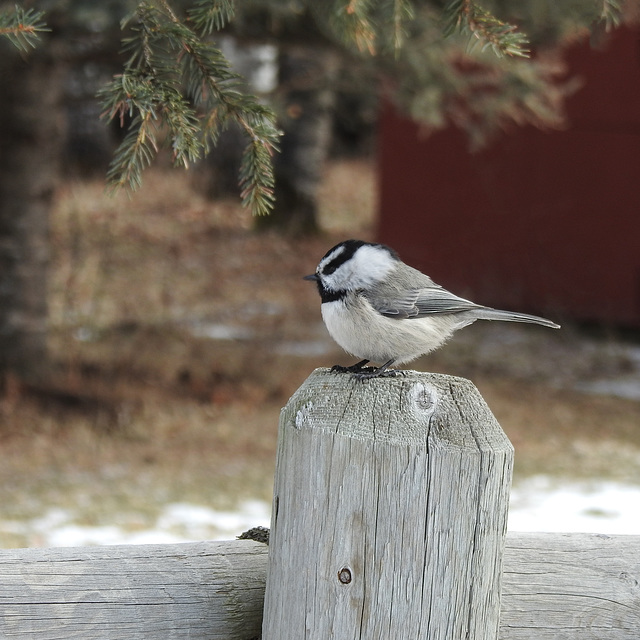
<point x="148" y="340"/>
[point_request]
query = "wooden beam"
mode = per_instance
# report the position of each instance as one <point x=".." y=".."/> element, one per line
<point x="391" y="500"/>
<point x="204" y="590"/>
<point x="568" y="586"/>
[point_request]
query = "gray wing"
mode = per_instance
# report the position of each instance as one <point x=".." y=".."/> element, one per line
<point x="417" y="303"/>
<point x="432" y="299"/>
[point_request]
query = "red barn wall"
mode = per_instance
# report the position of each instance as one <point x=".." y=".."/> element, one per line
<point x="539" y="221"/>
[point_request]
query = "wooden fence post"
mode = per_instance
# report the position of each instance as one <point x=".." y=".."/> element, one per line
<point x="389" y="513"/>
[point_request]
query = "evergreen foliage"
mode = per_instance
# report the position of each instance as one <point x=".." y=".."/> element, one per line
<point x="470" y="18"/>
<point x="177" y="86"/>
<point x="22" y="27"/>
<point x="611" y="14"/>
<point x="177" y="89"/>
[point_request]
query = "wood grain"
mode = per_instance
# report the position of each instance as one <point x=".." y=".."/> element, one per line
<point x="202" y="590"/>
<point x="389" y="510"/>
<point x="571" y="586"/>
<point x="567" y="586"/>
<point x="402" y="483"/>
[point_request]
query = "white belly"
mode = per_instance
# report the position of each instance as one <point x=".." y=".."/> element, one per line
<point x="361" y="331"/>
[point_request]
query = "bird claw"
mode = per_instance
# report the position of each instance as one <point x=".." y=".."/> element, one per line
<point x="338" y="368"/>
<point x="368" y="373"/>
<point x="360" y="372"/>
<point x="354" y="368"/>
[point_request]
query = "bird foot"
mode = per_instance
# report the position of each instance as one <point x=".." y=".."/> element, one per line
<point x="354" y="368"/>
<point x="367" y="373"/>
<point x="360" y="372"/>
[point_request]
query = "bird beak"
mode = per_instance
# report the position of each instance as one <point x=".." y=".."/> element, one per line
<point x="313" y="276"/>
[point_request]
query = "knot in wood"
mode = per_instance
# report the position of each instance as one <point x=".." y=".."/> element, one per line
<point x="425" y="397"/>
<point x="344" y="575"/>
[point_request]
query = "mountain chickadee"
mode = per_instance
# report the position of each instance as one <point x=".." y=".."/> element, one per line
<point x="380" y="309"/>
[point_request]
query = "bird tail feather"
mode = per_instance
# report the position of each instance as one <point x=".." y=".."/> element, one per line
<point x="487" y="313"/>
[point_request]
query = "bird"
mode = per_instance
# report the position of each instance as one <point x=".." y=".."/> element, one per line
<point x="381" y="310"/>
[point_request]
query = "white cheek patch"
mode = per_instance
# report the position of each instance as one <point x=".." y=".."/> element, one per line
<point x="370" y="265"/>
<point x="332" y="283"/>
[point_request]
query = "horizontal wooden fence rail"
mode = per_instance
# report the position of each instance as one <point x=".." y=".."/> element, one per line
<point x="570" y="586"/>
<point x="203" y="590"/>
<point x="555" y="587"/>
<point x="388" y="523"/>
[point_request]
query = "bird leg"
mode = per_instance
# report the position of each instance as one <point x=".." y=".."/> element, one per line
<point x="380" y="372"/>
<point x="354" y="368"/>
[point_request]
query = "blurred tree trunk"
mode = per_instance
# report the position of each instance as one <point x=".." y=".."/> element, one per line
<point x="307" y="76"/>
<point x="30" y="145"/>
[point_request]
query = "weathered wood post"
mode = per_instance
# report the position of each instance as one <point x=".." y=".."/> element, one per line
<point x="389" y="514"/>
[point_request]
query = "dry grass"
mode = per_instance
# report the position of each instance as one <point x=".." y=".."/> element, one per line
<point x="147" y="408"/>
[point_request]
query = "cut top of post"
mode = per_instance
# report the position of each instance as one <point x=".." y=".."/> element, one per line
<point x="405" y="410"/>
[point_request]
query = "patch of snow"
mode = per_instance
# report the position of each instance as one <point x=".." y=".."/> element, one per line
<point x="628" y="388"/>
<point x="545" y="504"/>
<point x="177" y="522"/>
<point x="539" y="503"/>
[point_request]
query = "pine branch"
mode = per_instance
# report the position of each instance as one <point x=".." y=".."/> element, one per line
<point x="468" y="17"/>
<point x="353" y="22"/>
<point x="369" y="25"/>
<point x="611" y="14"/>
<point x="135" y="154"/>
<point x="177" y="82"/>
<point x="401" y="14"/>
<point x="22" y="28"/>
<point x="208" y="16"/>
<point x="256" y="174"/>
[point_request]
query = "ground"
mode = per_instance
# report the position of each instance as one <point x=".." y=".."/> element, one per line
<point x="178" y="333"/>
